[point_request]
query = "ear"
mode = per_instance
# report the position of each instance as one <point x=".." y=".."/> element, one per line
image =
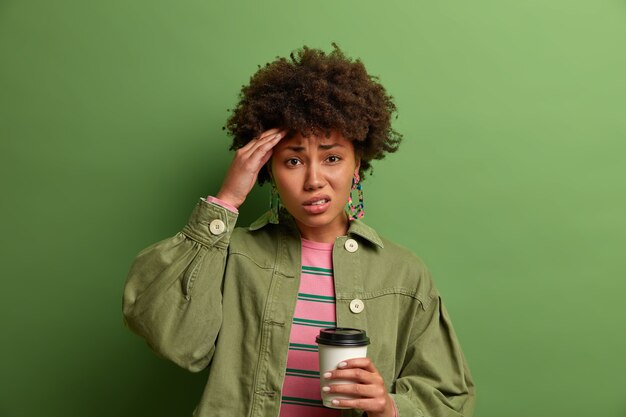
<point x="358" y="166"/>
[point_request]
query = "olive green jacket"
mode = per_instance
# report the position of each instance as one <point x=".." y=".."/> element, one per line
<point x="219" y="296"/>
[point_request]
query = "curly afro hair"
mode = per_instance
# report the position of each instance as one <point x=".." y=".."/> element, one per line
<point x="312" y="93"/>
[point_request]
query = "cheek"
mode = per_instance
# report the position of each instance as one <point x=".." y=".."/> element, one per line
<point x="286" y="185"/>
<point x="345" y="188"/>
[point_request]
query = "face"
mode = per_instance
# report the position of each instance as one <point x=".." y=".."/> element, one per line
<point x="313" y="176"/>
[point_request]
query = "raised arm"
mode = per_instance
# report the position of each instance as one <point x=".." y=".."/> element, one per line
<point x="173" y="293"/>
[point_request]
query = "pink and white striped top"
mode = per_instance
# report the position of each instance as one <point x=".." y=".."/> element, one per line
<point x="315" y="309"/>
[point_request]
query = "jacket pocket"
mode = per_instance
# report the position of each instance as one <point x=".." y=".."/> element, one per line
<point x="191" y="273"/>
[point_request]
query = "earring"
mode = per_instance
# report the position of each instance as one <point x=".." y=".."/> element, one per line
<point x="275" y="204"/>
<point x="358" y="211"/>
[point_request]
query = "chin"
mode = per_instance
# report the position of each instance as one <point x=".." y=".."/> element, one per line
<point x="320" y="220"/>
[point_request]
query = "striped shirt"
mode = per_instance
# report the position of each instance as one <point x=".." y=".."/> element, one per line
<point x="315" y="310"/>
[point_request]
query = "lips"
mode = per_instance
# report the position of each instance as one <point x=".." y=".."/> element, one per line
<point x="317" y="201"/>
<point x="317" y="205"/>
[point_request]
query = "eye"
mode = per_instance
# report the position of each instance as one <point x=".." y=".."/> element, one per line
<point x="292" y="162"/>
<point x="333" y="159"/>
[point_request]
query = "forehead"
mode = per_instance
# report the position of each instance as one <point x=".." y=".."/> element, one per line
<point x="314" y="141"/>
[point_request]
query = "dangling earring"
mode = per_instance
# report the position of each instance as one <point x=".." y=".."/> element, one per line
<point x="358" y="211"/>
<point x="275" y="204"/>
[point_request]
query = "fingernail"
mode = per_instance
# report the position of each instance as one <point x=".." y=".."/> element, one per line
<point x="335" y="402"/>
<point x="325" y="389"/>
<point x="342" y="364"/>
<point x="327" y="375"/>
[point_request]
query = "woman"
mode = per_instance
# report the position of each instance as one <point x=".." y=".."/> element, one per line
<point x="248" y="302"/>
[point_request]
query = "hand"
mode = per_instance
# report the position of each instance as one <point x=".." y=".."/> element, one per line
<point x="369" y="388"/>
<point x="246" y="165"/>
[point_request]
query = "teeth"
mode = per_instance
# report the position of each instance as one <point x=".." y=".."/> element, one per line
<point x="317" y="203"/>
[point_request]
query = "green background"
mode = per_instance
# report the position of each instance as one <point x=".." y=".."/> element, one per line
<point x="509" y="183"/>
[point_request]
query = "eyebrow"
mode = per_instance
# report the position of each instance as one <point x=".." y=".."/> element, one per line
<point x="296" y="148"/>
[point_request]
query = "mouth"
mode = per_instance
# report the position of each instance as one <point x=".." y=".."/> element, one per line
<point x="317" y="205"/>
<point x="317" y="201"/>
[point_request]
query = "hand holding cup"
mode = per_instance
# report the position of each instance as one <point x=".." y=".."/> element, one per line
<point x="348" y="378"/>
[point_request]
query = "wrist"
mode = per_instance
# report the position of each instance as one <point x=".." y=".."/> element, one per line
<point x="221" y="203"/>
<point x="228" y="199"/>
<point x="390" y="409"/>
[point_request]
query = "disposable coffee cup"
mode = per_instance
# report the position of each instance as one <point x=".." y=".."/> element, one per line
<point x="336" y="345"/>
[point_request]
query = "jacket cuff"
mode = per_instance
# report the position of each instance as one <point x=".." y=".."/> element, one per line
<point x="211" y="199"/>
<point x="210" y="224"/>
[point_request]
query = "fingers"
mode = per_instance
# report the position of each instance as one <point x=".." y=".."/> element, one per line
<point x="272" y="135"/>
<point x="360" y="370"/>
<point x="356" y="390"/>
<point x="265" y="134"/>
<point x="370" y="405"/>
<point x="362" y="384"/>
<point x="246" y="165"/>
<point x="258" y="151"/>
<point x="263" y="146"/>
<point x="364" y="363"/>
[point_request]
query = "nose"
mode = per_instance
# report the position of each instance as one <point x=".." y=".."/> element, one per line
<point x="314" y="178"/>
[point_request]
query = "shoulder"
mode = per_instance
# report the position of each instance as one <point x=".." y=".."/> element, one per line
<point x="399" y="253"/>
<point x="259" y="245"/>
<point x="261" y="238"/>
<point x="386" y="250"/>
<point x="393" y="266"/>
<point x="407" y="264"/>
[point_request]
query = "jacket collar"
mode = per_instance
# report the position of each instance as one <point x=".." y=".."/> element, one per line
<point x="357" y="227"/>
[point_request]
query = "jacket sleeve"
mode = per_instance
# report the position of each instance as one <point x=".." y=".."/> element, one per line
<point x="435" y="380"/>
<point x="172" y="296"/>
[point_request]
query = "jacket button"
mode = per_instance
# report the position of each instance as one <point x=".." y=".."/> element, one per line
<point x="356" y="306"/>
<point x="351" y="245"/>
<point x="217" y="227"/>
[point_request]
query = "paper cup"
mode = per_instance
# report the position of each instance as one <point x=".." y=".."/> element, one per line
<point x="337" y="345"/>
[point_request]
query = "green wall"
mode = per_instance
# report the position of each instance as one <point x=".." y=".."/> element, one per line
<point x="510" y="182"/>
